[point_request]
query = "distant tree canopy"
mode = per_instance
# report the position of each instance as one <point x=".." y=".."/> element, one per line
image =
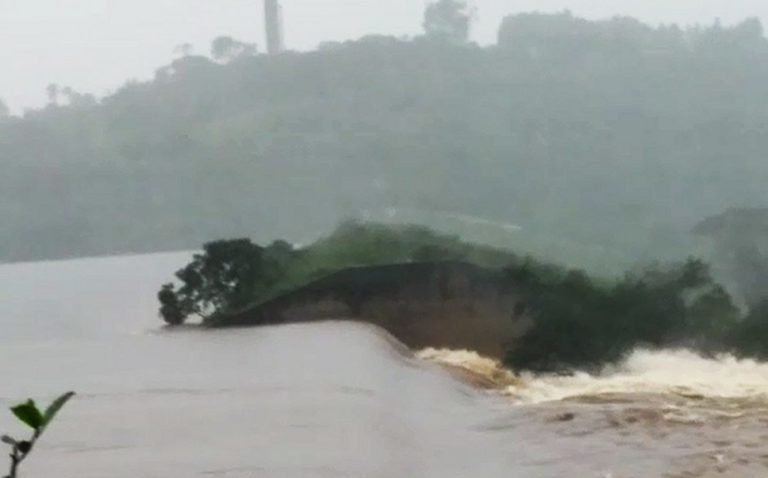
<point x="4" y="110"/>
<point x="226" y="48"/>
<point x="603" y="142"/>
<point x="563" y="34"/>
<point x="448" y="20"/>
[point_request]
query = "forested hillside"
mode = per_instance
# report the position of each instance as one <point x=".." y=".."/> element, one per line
<point x="596" y="143"/>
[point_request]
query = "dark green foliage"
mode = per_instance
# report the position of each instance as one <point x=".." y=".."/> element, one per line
<point x="171" y="309"/>
<point x="29" y="414"/>
<point x="228" y="275"/>
<point x="53" y="409"/>
<point x="750" y="339"/>
<point x="580" y="323"/>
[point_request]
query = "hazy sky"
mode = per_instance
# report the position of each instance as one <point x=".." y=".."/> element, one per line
<point x="95" y="45"/>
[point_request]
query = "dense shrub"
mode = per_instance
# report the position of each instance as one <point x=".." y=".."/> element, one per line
<point x="579" y="322"/>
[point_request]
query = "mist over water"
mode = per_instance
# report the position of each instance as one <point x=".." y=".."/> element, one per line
<point x="338" y="399"/>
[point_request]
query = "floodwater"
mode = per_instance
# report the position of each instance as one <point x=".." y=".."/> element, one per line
<point x="340" y="399"/>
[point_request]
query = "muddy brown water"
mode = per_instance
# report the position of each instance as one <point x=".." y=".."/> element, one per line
<point x="341" y="400"/>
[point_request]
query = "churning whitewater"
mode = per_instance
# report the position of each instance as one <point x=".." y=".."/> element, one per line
<point x="344" y="400"/>
<point x="677" y="373"/>
<point x="701" y="416"/>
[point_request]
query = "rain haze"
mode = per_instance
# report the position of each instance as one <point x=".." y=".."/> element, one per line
<point x="95" y="45"/>
<point x="391" y="238"/>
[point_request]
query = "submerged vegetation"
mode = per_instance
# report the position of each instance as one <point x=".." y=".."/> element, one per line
<point x="578" y="320"/>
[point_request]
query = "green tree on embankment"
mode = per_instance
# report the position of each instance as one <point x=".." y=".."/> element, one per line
<point x="580" y="321"/>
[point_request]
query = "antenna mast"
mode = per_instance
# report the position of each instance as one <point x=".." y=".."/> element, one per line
<point x="273" y="18"/>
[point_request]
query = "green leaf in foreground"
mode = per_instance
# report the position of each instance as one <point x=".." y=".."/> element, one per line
<point x="54" y="408"/>
<point x="29" y="414"/>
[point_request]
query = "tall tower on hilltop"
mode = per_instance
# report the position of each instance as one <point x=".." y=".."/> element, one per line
<point x="273" y="18"/>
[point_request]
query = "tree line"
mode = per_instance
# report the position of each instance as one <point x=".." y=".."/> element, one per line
<point x="602" y="142"/>
<point x="580" y="321"/>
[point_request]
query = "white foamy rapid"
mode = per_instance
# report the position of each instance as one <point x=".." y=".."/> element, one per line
<point x="670" y="372"/>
